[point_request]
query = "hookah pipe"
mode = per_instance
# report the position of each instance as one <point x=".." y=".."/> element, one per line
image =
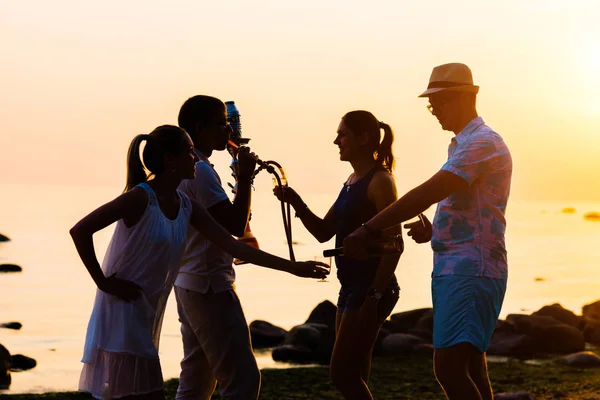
<point x="280" y="181"/>
<point x="234" y="144"/>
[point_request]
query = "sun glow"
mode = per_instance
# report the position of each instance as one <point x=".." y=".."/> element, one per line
<point x="588" y="69"/>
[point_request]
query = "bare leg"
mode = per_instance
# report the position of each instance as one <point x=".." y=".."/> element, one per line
<point x="451" y="367"/>
<point x="479" y="374"/>
<point x="351" y="359"/>
<point x="338" y="322"/>
<point x="366" y="371"/>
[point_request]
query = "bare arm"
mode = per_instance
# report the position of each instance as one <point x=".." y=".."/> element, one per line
<point x="130" y="207"/>
<point x="207" y="226"/>
<point x="382" y="191"/>
<point x="434" y="190"/>
<point x="322" y="229"/>
<point x="234" y="217"/>
<point x="207" y="189"/>
<point x="437" y="188"/>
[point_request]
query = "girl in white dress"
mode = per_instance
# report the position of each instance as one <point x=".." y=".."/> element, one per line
<point x="141" y="263"/>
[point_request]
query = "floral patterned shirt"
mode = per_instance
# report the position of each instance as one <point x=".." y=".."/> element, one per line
<point x="469" y="225"/>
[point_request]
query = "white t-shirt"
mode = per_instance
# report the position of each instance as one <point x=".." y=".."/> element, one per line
<point x="204" y="265"/>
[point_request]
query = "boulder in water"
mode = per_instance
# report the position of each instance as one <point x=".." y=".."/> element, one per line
<point x="426" y="321"/>
<point x="400" y="344"/>
<point x="582" y="359"/>
<point x="5" y="364"/>
<point x="318" y="338"/>
<point x="591" y="310"/>
<point x="306" y="335"/>
<point x="324" y="313"/>
<point x="561" y="314"/>
<point x="293" y="354"/>
<point x="394" y="326"/>
<point x="378" y="347"/>
<point x="425" y="349"/>
<point x="424" y="334"/>
<point x="528" y="324"/>
<point x="4" y="238"/>
<point x="11" y="325"/>
<point x="559" y="339"/>
<point x="592" y="216"/>
<point x="22" y="363"/>
<point x="404" y="321"/>
<point x="504" y="326"/>
<point x="548" y="335"/>
<point x="511" y="345"/>
<point x="264" y="334"/>
<point x="10" y="268"/>
<point x="591" y="331"/>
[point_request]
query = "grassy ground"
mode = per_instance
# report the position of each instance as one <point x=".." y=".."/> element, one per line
<point x="407" y="378"/>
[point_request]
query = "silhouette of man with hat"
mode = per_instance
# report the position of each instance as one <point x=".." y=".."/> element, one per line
<point x="467" y="236"/>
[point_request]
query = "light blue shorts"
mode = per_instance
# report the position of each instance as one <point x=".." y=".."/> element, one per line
<point x="465" y="309"/>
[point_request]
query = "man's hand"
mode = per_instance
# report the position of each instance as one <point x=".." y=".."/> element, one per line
<point x="310" y="269"/>
<point x="355" y="244"/>
<point x="123" y="289"/>
<point x="246" y="163"/>
<point x="420" y="230"/>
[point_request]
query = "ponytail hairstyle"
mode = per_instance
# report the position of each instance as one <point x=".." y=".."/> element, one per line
<point x="166" y="139"/>
<point x="385" y="154"/>
<point x="363" y="121"/>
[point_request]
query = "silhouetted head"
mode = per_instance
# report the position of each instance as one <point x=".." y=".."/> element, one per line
<point x="169" y="151"/>
<point x="205" y="119"/>
<point x="359" y="136"/>
<point x="453" y="110"/>
<point x="452" y="96"/>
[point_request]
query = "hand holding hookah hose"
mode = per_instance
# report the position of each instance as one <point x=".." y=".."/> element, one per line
<point x="280" y="181"/>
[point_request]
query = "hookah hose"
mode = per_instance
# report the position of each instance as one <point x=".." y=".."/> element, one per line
<point x="285" y="211"/>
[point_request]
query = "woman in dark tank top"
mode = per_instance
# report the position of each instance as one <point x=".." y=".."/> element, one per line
<point x="369" y="289"/>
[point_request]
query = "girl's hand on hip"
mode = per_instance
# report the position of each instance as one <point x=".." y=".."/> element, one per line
<point x="123" y="289"/>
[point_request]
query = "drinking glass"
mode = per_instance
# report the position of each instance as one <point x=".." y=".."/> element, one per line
<point x="326" y="261"/>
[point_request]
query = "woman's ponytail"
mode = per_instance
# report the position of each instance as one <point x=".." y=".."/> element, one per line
<point x="385" y="155"/>
<point x="136" y="173"/>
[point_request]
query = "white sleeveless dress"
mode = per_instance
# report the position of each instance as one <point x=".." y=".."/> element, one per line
<point x="121" y="348"/>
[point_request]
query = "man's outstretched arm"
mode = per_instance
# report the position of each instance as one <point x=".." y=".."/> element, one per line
<point x="419" y="199"/>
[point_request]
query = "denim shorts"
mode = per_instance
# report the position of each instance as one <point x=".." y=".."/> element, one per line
<point x="465" y="309"/>
<point x="351" y="299"/>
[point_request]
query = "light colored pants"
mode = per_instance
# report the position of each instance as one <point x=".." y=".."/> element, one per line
<point x="216" y="347"/>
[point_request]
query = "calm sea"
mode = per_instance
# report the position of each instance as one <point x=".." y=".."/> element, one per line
<point x="553" y="257"/>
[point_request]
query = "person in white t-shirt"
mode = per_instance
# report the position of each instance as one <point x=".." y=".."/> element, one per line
<point x="215" y="333"/>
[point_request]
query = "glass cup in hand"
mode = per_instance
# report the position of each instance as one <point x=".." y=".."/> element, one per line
<point x="327" y="262"/>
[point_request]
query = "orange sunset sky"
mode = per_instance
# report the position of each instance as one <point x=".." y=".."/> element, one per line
<point x="79" y="79"/>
